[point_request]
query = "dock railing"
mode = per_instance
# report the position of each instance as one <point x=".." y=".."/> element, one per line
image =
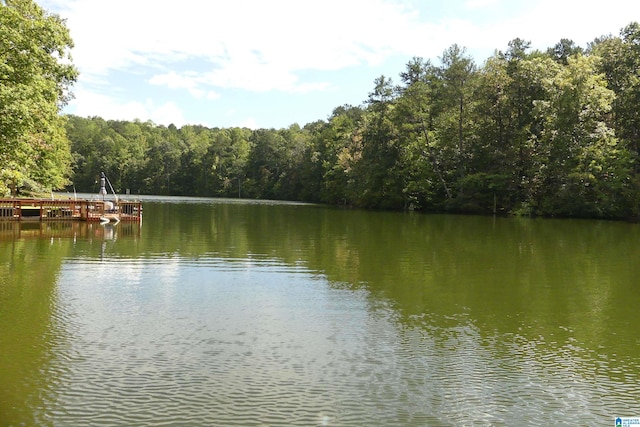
<point x="9" y="209"/>
<point x="123" y="210"/>
<point x="64" y="210"/>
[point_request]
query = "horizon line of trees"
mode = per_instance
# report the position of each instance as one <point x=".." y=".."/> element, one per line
<point x="553" y="133"/>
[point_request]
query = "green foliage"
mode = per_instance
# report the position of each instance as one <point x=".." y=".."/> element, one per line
<point x="620" y="64"/>
<point x="577" y="152"/>
<point x="35" y="75"/>
<point x="538" y="133"/>
<point x="550" y="133"/>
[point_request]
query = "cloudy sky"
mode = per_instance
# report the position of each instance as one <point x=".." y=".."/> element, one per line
<point x="272" y="63"/>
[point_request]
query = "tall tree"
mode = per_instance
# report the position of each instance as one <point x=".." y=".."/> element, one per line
<point x="620" y="63"/>
<point x="580" y="168"/>
<point x="495" y="182"/>
<point x="35" y="76"/>
<point x="163" y="163"/>
<point x="421" y="151"/>
<point x="563" y="50"/>
<point x="455" y="96"/>
<point x="267" y="164"/>
<point x="337" y="149"/>
<point x="376" y="173"/>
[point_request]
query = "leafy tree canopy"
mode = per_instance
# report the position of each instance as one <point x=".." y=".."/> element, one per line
<point x="554" y="132"/>
<point x="35" y="76"/>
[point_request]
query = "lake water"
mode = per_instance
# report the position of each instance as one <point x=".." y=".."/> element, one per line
<point x="222" y="313"/>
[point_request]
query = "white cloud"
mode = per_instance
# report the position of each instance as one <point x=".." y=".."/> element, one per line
<point x="477" y="4"/>
<point x="203" y="48"/>
<point x="189" y="81"/>
<point x="581" y="22"/>
<point x="173" y="80"/>
<point x="248" y="44"/>
<point x="263" y="45"/>
<point x="166" y="113"/>
<point x="487" y="25"/>
<point x="88" y="104"/>
<point x="250" y="123"/>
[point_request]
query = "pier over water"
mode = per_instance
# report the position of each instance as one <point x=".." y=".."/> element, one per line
<point x="25" y="209"/>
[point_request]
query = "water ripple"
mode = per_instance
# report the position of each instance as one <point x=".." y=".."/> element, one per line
<point x="178" y="343"/>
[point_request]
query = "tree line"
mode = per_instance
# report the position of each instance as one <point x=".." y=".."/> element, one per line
<point x="552" y="133"/>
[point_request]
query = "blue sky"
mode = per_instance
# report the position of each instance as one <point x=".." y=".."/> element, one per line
<point x="272" y="63"/>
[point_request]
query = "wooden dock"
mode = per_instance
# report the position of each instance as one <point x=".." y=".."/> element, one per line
<point x="25" y="209"/>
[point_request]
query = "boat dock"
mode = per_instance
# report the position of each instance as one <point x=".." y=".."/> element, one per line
<point x="24" y="209"/>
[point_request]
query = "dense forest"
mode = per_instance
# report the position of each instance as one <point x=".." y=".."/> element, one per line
<point x="552" y="133"/>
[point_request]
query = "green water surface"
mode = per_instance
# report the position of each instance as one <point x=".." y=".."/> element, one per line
<point x="219" y="312"/>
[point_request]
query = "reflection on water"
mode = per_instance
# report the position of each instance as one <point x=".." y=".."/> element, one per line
<point x="269" y="314"/>
<point x="11" y="230"/>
